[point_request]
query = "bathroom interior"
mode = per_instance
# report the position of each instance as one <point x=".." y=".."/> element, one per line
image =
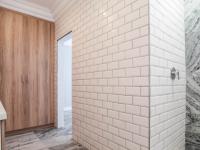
<point x="99" y="75"/>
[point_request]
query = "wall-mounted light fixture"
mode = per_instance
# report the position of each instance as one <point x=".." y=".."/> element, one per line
<point x="174" y="73"/>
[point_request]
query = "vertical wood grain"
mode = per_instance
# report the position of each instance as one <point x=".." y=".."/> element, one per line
<point x="52" y="75"/>
<point x="3" y="144"/>
<point x="26" y="70"/>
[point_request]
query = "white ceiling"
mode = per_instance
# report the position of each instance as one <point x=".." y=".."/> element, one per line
<point x="44" y="3"/>
<point x="45" y="9"/>
<point x="38" y="8"/>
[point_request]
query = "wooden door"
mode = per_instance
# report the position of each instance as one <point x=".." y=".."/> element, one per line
<point x="26" y="70"/>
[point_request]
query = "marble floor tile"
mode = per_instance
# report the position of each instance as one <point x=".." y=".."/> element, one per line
<point x="51" y="142"/>
<point x="45" y="139"/>
<point x="71" y="146"/>
<point x="27" y="141"/>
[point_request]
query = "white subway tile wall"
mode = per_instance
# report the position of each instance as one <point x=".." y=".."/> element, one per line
<point x="115" y="62"/>
<point x="110" y="72"/>
<point x="167" y="98"/>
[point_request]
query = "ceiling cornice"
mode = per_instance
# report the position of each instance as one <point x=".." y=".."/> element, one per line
<point x="28" y="8"/>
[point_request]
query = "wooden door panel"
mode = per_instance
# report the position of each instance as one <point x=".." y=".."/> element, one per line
<point x="26" y="70"/>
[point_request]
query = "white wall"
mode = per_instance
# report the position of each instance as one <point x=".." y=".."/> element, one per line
<point x="64" y="78"/>
<point x="111" y="78"/>
<point x="110" y="72"/>
<point x="67" y="75"/>
<point x="167" y="97"/>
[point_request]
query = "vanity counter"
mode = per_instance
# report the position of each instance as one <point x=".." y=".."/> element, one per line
<point x="3" y="117"/>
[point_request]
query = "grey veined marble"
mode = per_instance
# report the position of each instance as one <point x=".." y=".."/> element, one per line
<point x="192" y="24"/>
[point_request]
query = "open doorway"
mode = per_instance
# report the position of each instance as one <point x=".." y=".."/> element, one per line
<point x="65" y="82"/>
